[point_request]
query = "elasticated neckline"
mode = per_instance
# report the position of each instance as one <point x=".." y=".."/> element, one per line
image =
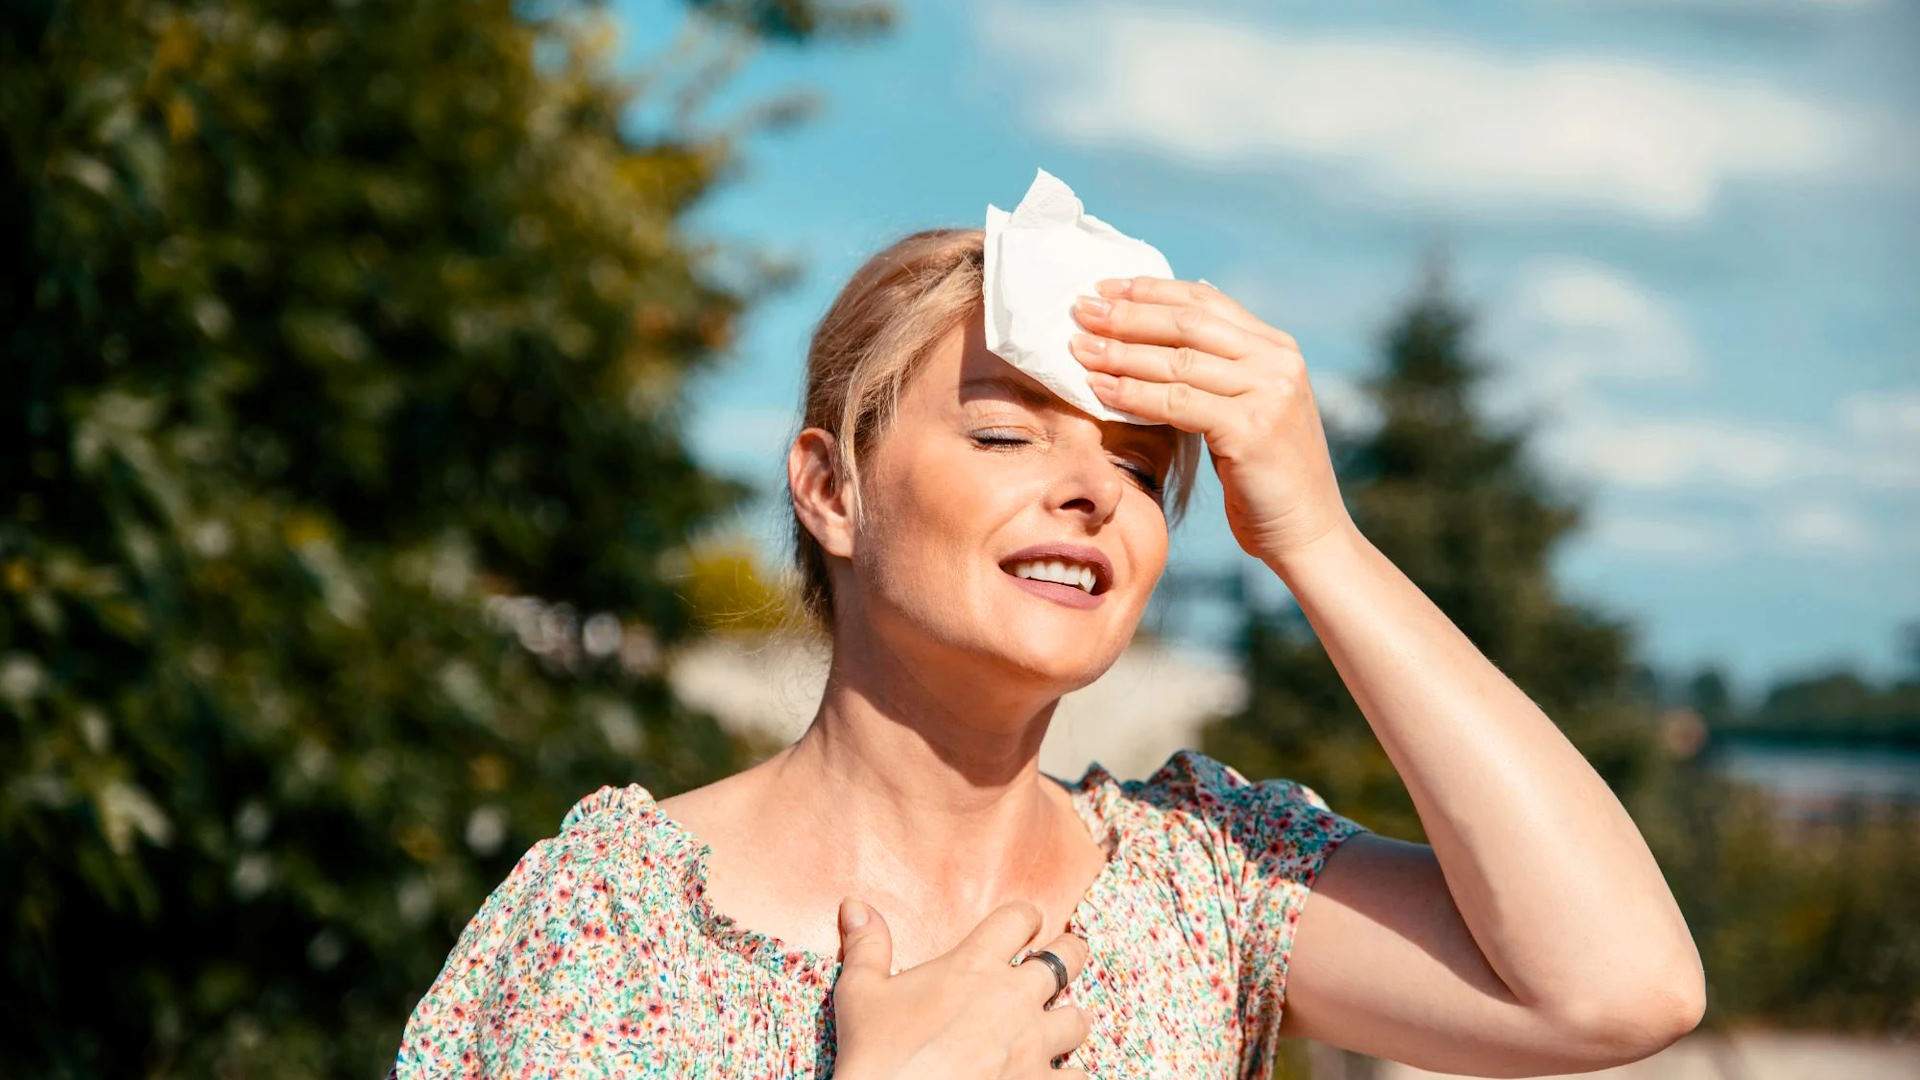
<point x="1092" y="797"/>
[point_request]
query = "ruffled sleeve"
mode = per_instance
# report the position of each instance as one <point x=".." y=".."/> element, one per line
<point x="543" y="954"/>
<point x="1263" y="845"/>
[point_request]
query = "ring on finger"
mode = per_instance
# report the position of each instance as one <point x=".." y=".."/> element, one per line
<point x="1059" y="966"/>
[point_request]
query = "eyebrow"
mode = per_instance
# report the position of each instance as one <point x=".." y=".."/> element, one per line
<point x="1039" y="399"/>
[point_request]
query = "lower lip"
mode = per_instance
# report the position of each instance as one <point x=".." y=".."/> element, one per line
<point x="1058" y="593"/>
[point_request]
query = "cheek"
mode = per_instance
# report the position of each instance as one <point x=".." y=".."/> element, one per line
<point x="1150" y="558"/>
<point x="1143" y="533"/>
<point x="929" y="524"/>
<point x="955" y="494"/>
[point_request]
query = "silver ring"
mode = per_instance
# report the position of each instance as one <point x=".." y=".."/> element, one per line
<point x="1058" y="965"/>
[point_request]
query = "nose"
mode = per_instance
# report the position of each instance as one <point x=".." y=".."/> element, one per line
<point x="1089" y="485"/>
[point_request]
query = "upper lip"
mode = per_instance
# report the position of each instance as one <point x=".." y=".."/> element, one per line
<point x="1080" y="553"/>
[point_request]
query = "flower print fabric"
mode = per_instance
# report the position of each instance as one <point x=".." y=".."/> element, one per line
<point x="600" y="956"/>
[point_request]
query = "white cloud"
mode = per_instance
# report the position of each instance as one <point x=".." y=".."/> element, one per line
<point x="1824" y="528"/>
<point x="1885" y="428"/>
<point x="1666" y="453"/>
<point x="1739" y="7"/>
<point x="1343" y="402"/>
<point x="1884" y="415"/>
<point x="1667" y="538"/>
<point x="1816" y="527"/>
<point x="1569" y="322"/>
<point x="1820" y="527"/>
<point x="1791" y="477"/>
<point x="1440" y="122"/>
<point x="1674" y="453"/>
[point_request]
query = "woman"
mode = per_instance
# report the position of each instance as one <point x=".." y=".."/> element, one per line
<point x="934" y="489"/>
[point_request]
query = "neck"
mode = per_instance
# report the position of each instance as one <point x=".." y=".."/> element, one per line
<point x="927" y="775"/>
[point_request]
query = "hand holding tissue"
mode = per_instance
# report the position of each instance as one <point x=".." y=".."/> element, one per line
<point x="1048" y="251"/>
<point x="1192" y="359"/>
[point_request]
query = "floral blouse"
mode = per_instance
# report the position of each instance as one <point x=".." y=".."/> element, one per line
<point x="599" y="956"/>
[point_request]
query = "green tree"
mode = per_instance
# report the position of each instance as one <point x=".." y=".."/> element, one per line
<point x="1806" y="915"/>
<point x="1456" y="505"/>
<point x="1836" y="708"/>
<point x="339" y="483"/>
<point x="1810" y="924"/>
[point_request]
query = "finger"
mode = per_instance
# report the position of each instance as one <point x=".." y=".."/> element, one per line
<point x="1161" y="363"/>
<point x="1064" y="1028"/>
<point x="1072" y="952"/>
<point x="1001" y="934"/>
<point x="1072" y="949"/>
<point x="1174" y="403"/>
<point x="867" y="947"/>
<point x="1200" y="294"/>
<point x="1161" y="324"/>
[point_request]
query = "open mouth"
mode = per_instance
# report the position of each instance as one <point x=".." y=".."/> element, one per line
<point x="1090" y="579"/>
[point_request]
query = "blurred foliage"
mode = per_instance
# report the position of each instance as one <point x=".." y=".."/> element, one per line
<point x="795" y="20"/>
<point x="1835" y="707"/>
<point x="1808" y="918"/>
<point x="723" y="584"/>
<point x="340" y="481"/>
<point x="1796" y="928"/>
<point x="1799" y="925"/>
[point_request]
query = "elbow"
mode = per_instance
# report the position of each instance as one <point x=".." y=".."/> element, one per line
<point x="1639" y="1021"/>
<point x="1673" y="1007"/>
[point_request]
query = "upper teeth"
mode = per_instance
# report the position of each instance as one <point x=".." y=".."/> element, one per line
<point x="1063" y="572"/>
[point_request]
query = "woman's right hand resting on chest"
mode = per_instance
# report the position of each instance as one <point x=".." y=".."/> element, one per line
<point x="966" y="1015"/>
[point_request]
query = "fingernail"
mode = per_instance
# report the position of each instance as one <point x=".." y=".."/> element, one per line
<point x="853" y="914"/>
<point x="1100" y="380"/>
<point x="1114" y="286"/>
<point x="1089" y="343"/>
<point x="1093" y="305"/>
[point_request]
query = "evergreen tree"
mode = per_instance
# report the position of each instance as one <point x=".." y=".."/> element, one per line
<point x="339" y="473"/>
<point x="1454" y="503"/>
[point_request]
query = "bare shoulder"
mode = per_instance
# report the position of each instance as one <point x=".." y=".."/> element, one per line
<point x="712" y="812"/>
<point x="762" y="869"/>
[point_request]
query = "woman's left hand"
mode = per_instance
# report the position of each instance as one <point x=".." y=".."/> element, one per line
<point x="1184" y="353"/>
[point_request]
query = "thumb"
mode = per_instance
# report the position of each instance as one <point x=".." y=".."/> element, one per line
<point x="865" y="942"/>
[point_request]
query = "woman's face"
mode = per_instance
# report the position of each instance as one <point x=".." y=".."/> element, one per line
<point x="981" y="464"/>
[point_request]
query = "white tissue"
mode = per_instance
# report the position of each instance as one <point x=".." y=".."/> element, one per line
<point x="1039" y="259"/>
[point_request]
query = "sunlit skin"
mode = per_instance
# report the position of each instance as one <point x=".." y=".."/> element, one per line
<point x="1535" y="934"/>
<point x="917" y="788"/>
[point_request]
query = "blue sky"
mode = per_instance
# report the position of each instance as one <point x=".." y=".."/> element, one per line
<point x="1690" y="229"/>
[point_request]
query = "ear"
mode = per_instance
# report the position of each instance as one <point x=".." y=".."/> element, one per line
<point x="820" y="500"/>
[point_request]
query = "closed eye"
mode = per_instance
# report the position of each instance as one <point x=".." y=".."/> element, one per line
<point x="1145" y="475"/>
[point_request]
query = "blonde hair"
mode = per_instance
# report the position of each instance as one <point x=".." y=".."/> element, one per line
<point x="886" y="321"/>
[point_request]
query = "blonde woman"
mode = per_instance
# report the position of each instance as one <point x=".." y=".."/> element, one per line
<point x="903" y="893"/>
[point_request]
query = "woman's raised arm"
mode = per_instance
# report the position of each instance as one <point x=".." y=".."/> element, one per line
<point x="1537" y="933"/>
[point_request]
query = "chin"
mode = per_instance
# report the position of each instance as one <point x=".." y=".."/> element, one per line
<point x="1065" y="665"/>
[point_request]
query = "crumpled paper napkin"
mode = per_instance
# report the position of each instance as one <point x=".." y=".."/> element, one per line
<point x="1039" y="259"/>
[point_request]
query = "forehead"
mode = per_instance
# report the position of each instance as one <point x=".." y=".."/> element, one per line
<point x="962" y="371"/>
